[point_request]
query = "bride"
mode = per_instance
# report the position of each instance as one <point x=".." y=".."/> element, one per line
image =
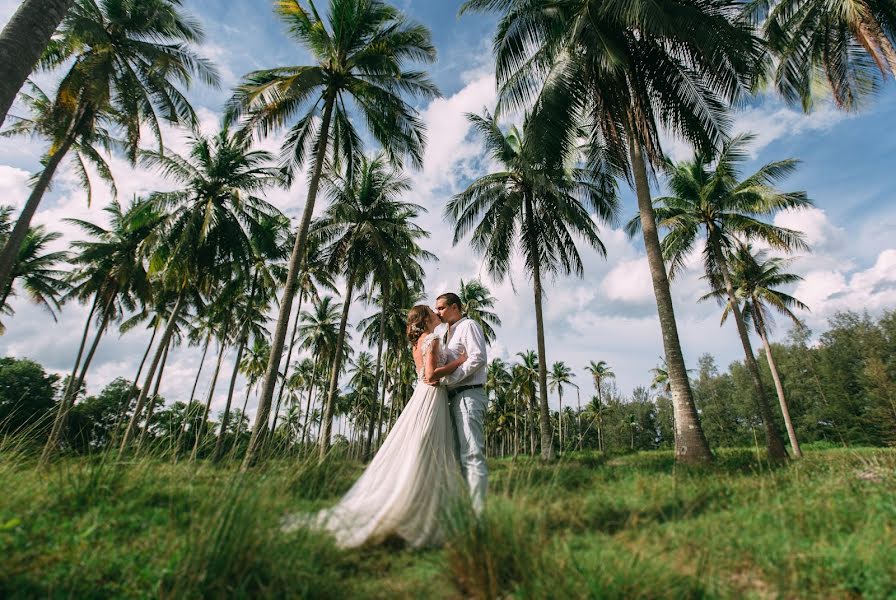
<point x="405" y="488"/>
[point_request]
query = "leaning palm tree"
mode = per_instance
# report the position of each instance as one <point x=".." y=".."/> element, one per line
<point x="109" y="273"/>
<point x="560" y="375"/>
<point x="629" y="71"/>
<point x="211" y="220"/>
<point x="35" y="269"/>
<point x="845" y="46"/>
<point x="755" y="278"/>
<point x="537" y="204"/>
<point x="125" y="59"/>
<point x="713" y="200"/>
<point x="358" y="55"/>
<point x="368" y="229"/>
<point x="477" y="302"/>
<point x="23" y="40"/>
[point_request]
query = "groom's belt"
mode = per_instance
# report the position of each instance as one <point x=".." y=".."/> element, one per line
<point x="452" y="392"/>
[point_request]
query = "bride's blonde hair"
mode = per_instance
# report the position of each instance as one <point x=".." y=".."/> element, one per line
<point x="417" y="318"/>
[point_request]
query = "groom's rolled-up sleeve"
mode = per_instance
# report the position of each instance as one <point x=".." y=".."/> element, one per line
<point x="473" y="341"/>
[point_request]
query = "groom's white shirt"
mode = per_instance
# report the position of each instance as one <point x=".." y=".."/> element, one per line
<point x="466" y="335"/>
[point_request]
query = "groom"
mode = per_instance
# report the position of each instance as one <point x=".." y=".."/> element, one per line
<point x="466" y="393"/>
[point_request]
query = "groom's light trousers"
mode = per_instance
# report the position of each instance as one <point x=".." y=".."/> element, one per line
<point x="468" y="412"/>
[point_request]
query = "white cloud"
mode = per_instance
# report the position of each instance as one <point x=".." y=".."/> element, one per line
<point x="13" y="186"/>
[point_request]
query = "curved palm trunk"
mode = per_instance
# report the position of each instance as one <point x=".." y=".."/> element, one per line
<point x="183" y="425"/>
<point x="365" y="454"/>
<point x="292" y="343"/>
<point x="774" y="444"/>
<point x="23" y="40"/>
<point x="152" y="399"/>
<point x="200" y="432"/>
<point x="691" y="446"/>
<point x="560" y="397"/>
<point x="382" y="409"/>
<point x="53" y="440"/>
<point x="327" y="417"/>
<point x="547" y="437"/>
<point x="239" y="426"/>
<point x="156" y="359"/>
<point x="295" y="262"/>
<point x="779" y="388"/>
<point x="133" y="388"/>
<point x="225" y="419"/>
<point x="20" y="230"/>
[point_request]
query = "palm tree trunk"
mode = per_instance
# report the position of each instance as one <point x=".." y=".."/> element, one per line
<point x="547" y="438"/>
<point x="560" y="396"/>
<point x="327" y="417"/>
<point x="157" y="357"/>
<point x="219" y="443"/>
<point x="208" y="340"/>
<point x="691" y="446"/>
<point x="308" y="403"/>
<point x="22" y="42"/>
<point x="152" y="399"/>
<point x="133" y="388"/>
<point x="365" y="454"/>
<point x="18" y="233"/>
<point x="200" y="432"/>
<point x="579" y="418"/>
<point x="53" y="440"/>
<point x="295" y="262"/>
<point x="773" y="441"/>
<point x="379" y="420"/>
<point x="292" y="342"/>
<point x="779" y="388"/>
<point x="239" y="427"/>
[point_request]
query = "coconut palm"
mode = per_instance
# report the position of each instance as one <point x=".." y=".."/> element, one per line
<point x="125" y="59"/>
<point x="358" y="55"/>
<point x="559" y="376"/>
<point x="600" y="371"/>
<point x="537" y="204"/>
<point x="318" y="333"/>
<point x="211" y="221"/>
<point x="844" y="46"/>
<point x="477" y="302"/>
<point x="710" y="198"/>
<point x="22" y="41"/>
<point x="34" y="268"/>
<point x="110" y="273"/>
<point x="755" y="278"/>
<point x="497" y="381"/>
<point x="367" y="229"/>
<point x="627" y="72"/>
<point x="525" y="380"/>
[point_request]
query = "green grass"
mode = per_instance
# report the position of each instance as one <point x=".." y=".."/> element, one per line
<point x="636" y="526"/>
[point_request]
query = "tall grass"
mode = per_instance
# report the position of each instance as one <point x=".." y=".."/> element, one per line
<point x="587" y="527"/>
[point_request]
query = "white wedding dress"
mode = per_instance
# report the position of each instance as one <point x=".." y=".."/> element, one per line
<point x="408" y="484"/>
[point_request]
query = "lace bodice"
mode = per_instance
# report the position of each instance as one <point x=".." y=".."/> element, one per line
<point x="426" y="348"/>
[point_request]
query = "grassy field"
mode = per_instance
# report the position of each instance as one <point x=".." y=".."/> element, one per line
<point x="626" y="527"/>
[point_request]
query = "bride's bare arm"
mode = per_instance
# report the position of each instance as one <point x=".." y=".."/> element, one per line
<point x="433" y="371"/>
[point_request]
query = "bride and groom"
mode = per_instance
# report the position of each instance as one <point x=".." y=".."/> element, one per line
<point x="437" y="443"/>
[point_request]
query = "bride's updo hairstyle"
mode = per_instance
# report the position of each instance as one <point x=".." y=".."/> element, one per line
<point x="417" y="318"/>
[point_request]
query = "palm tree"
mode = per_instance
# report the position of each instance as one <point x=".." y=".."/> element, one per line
<point x="110" y="274"/>
<point x="526" y="378"/>
<point x="318" y="333"/>
<point x="846" y="46"/>
<point x="755" y="278"/>
<point x="366" y="227"/>
<point x="560" y="375"/>
<point x="537" y="205"/>
<point x="211" y="222"/>
<point x="498" y="380"/>
<point x="35" y="268"/>
<point x="358" y="56"/>
<point x="629" y="71"/>
<point x="22" y="41"/>
<point x="718" y="203"/>
<point x="477" y="302"/>
<point x="600" y="371"/>
<point x="124" y="59"/>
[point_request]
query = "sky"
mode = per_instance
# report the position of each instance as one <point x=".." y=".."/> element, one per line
<point x="847" y="170"/>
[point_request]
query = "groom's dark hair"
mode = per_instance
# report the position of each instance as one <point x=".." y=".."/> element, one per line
<point x="452" y="298"/>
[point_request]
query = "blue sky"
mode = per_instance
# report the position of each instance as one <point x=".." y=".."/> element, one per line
<point x="848" y="170"/>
